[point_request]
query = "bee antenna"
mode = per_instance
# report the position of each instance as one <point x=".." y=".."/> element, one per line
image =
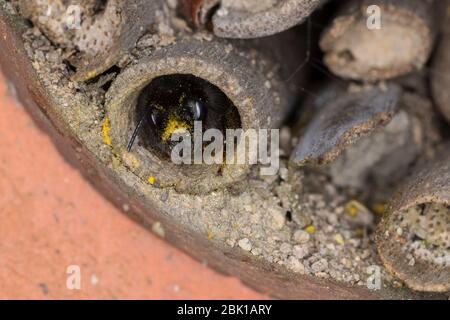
<point x="135" y="133"/>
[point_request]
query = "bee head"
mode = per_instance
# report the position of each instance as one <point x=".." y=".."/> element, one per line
<point x="173" y="104"/>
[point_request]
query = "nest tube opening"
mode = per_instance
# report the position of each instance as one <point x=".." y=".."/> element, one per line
<point x="180" y="104"/>
<point x="430" y="222"/>
<point x="229" y="99"/>
<point x="413" y="238"/>
<point x="415" y="245"/>
<point x="380" y="40"/>
<point x="150" y="156"/>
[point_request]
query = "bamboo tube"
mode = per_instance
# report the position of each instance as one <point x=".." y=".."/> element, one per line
<point x="341" y="117"/>
<point x="367" y="138"/>
<point x="358" y="46"/>
<point x="377" y="164"/>
<point x="413" y="238"/>
<point x="249" y="18"/>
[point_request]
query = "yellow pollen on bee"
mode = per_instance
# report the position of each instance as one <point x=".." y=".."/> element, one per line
<point x="174" y="125"/>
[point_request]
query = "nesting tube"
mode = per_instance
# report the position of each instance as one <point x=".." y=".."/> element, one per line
<point x="413" y="238"/>
<point x="378" y="163"/>
<point x="367" y="137"/>
<point x="243" y="81"/>
<point x="341" y="115"/>
<point x="101" y="32"/>
<point x="380" y="39"/>
<point x="249" y="18"/>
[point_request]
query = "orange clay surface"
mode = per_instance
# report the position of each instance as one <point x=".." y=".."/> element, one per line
<point x="51" y="218"/>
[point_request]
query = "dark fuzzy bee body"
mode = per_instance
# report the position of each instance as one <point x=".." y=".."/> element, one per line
<point x="175" y="102"/>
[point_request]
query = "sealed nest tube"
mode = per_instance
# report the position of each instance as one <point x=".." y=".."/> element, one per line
<point x="414" y="237"/>
<point x="345" y="193"/>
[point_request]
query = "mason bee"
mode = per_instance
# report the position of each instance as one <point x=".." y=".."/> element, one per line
<point x="171" y="104"/>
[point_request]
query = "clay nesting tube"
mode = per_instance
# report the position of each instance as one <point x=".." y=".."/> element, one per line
<point x="413" y="238"/>
<point x="244" y="74"/>
<point x="402" y="43"/>
<point x="246" y="19"/>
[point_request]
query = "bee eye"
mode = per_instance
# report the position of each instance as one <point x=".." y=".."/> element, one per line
<point x="155" y="117"/>
<point x="196" y="109"/>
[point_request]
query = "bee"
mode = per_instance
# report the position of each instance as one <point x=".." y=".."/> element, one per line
<point x="171" y="104"/>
